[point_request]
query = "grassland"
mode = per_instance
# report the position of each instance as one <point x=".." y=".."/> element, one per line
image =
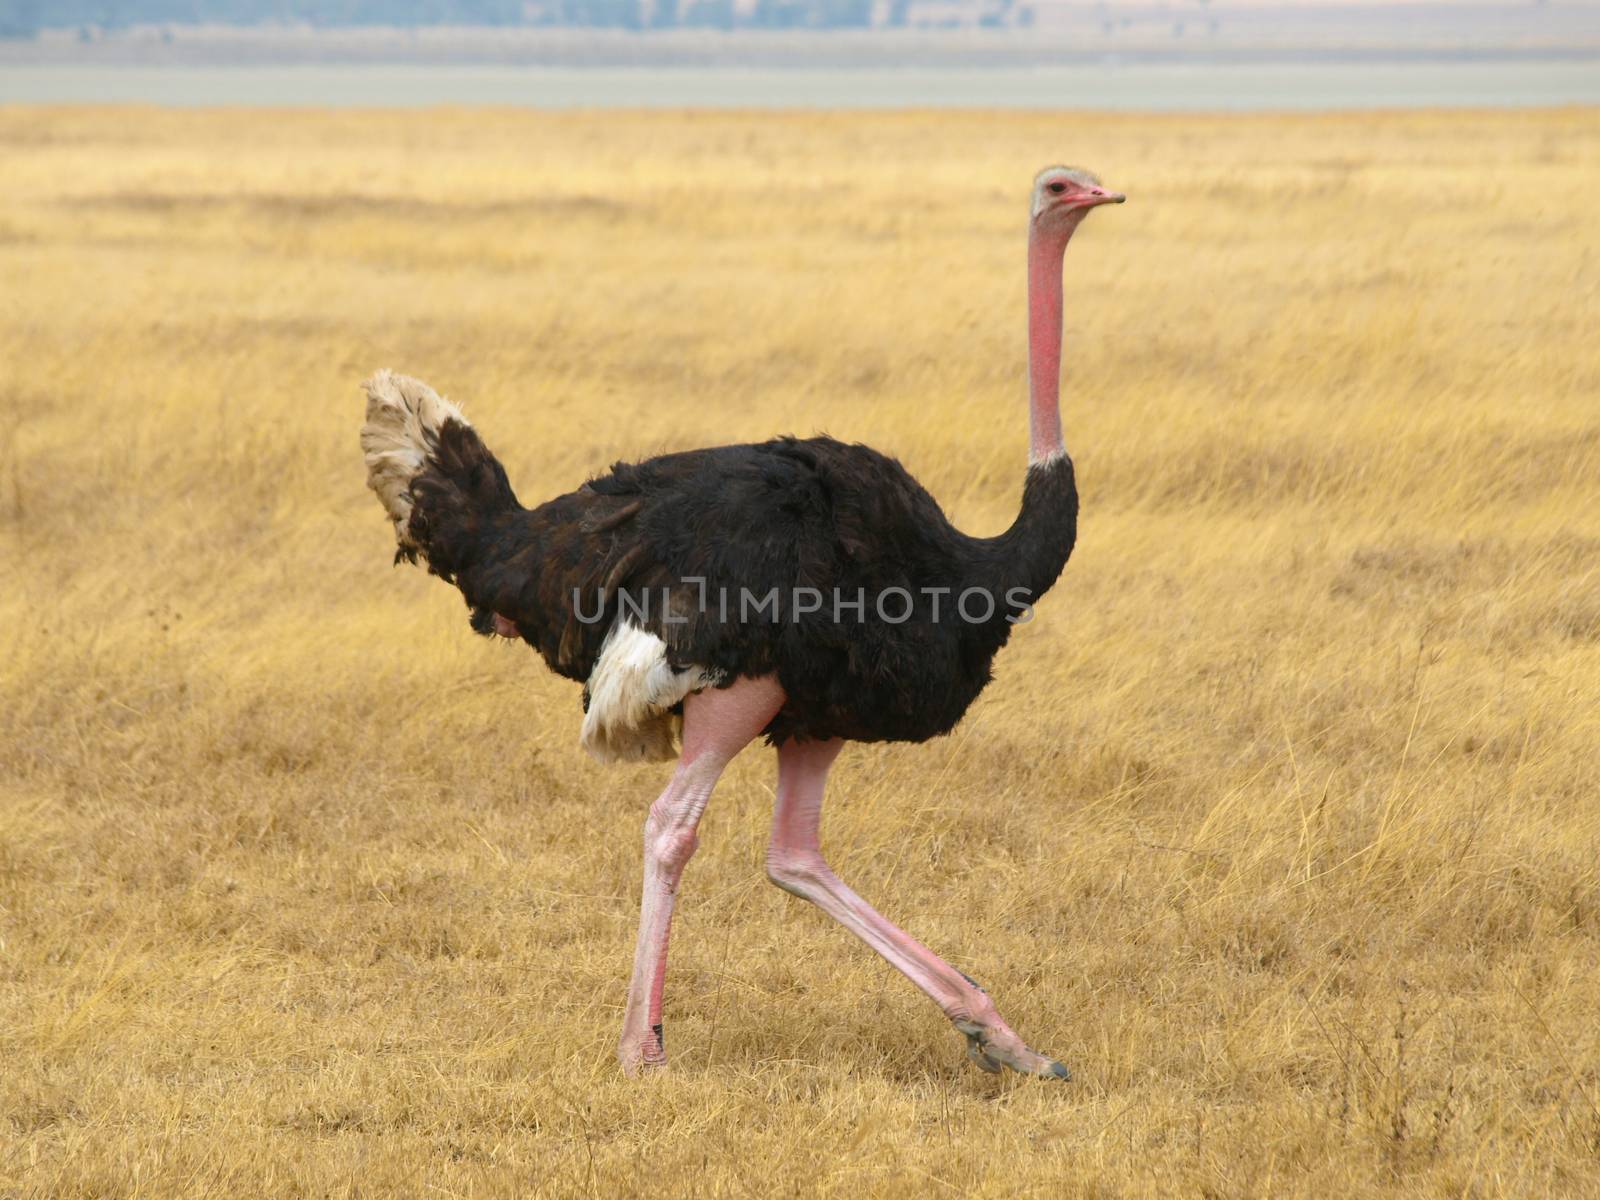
<point x="1280" y="824"/>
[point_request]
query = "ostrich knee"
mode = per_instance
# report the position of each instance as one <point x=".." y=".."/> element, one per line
<point x="669" y="840"/>
<point x="798" y="872"/>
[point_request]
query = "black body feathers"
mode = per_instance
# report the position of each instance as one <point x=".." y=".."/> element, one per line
<point x="824" y="562"/>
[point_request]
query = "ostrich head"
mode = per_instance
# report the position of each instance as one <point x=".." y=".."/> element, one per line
<point x="1063" y="195"/>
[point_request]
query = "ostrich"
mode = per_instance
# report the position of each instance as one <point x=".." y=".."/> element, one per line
<point x="641" y="584"/>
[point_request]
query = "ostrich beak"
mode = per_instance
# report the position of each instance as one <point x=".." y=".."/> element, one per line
<point x="1099" y="196"/>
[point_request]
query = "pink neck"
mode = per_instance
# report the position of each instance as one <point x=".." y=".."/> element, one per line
<point x="1045" y="251"/>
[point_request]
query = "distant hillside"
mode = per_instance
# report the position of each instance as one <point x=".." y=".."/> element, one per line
<point x="24" y="17"/>
<point x="1093" y="26"/>
<point x="111" y="14"/>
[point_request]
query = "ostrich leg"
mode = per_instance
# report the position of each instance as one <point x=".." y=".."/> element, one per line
<point x="717" y="724"/>
<point x="795" y="863"/>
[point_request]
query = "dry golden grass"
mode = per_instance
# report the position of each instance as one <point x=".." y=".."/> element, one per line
<point x="1279" y="824"/>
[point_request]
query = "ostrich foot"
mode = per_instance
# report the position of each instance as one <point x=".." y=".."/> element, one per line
<point x="992" y="1047"/>
<point x="643" y="1055"/>
<point x="992" y="1044"/>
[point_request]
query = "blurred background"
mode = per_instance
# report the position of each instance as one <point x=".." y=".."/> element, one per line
<point x="1183" y="54"/>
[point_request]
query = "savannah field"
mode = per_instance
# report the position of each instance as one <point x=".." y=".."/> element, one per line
<point x="1280" y="824"/>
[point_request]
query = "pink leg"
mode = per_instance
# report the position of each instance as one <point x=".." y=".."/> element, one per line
<point x="717" y="724"/>
<point x="795" y="863"/>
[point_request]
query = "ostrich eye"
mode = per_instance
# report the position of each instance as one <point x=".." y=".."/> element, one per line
<point x="1058" y="187"/>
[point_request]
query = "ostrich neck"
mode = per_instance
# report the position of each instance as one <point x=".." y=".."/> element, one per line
<point x="1030" y="554"/>
<point x="1045" y="251"/>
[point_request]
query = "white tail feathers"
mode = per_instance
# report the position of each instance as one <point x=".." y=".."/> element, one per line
<point x="402" y="413"/>
<point x="630" y="696"/>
